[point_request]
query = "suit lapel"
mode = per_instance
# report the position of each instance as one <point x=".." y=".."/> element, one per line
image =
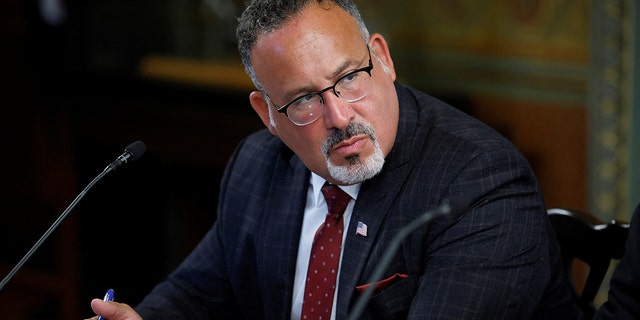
<point x="373" y="206"/>
<point x="277" y="245"/>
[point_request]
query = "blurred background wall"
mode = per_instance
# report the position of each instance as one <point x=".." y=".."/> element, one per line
<point x="83" y="79"/>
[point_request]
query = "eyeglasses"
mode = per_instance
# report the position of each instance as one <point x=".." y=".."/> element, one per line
<point x="308" y="108"/>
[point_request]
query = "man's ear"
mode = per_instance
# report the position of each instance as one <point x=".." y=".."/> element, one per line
<point x="261" y="107"/>
<point x="379" y="45"/>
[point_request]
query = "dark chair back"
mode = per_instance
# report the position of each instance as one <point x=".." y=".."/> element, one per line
<point x="585" y="237"/>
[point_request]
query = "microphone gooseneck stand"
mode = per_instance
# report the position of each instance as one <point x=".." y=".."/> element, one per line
<point x="132" y="152"/>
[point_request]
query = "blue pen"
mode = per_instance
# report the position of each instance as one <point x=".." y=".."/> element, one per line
<point x="107" y="297"/>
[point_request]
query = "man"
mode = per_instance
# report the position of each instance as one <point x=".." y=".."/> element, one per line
<point x="624" y="288"/>
<point x="328" y="97"/>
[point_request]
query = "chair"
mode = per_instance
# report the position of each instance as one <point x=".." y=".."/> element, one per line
<point x="583" y="236"/>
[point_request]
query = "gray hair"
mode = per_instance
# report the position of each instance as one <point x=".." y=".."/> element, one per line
<point x="263" y="16"/>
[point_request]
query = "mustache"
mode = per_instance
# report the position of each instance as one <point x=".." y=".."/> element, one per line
<point x="353" y="129"/>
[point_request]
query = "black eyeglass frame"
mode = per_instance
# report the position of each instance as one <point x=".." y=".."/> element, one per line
<point x="283" y="109"/>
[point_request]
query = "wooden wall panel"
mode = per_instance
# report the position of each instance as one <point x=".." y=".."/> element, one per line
<point x="551" y="136"/>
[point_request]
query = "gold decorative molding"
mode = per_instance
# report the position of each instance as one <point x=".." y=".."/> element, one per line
<point x="610" y="108"/>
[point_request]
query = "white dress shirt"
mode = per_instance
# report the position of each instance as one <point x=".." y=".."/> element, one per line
<point x="315" y="212"/>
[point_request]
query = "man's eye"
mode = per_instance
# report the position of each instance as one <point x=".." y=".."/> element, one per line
<point x="349" y="78"/>
<point x="305" y="99"/>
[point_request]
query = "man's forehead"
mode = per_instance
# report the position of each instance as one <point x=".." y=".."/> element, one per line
<point x="316" y="35"/>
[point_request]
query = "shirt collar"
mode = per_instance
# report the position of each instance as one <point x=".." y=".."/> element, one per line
<point x="317" y="182"/>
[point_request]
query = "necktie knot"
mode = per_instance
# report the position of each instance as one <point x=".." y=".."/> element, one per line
<point x="337" y="199"/>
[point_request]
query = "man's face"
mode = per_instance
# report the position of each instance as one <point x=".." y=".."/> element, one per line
<point x="309" y="53"/>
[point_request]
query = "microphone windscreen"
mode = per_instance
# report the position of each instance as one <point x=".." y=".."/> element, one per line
<point x="136" y="149"/>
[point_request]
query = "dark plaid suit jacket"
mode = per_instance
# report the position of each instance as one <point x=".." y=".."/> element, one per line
<point x="496" y="260"/>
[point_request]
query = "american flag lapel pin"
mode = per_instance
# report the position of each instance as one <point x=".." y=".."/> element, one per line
<point x="361" y="229"/>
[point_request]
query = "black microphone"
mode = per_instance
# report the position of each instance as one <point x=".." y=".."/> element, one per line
<point x="132" y="152"/>
<point x="456" y="206"/>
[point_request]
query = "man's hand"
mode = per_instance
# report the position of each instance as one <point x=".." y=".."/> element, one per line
<point x="113" y="310"/>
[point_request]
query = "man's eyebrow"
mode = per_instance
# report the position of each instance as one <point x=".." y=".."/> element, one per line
<point x="346" y="65"/>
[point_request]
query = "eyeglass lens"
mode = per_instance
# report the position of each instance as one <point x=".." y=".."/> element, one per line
<point x="351" y="88"/>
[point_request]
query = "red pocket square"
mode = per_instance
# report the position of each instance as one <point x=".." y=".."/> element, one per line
<point x="382" y="284"/>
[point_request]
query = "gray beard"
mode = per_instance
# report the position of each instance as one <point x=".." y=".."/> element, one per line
<point x="357" y="170"/>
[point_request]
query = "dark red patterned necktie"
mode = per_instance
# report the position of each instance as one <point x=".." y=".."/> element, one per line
<point x="325" y="256"/>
